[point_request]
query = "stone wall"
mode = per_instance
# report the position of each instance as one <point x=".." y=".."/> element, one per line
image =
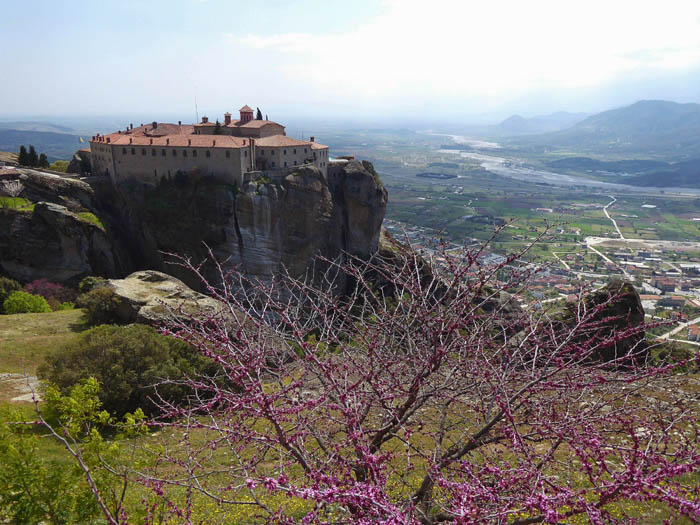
<point x="149" y="164"/>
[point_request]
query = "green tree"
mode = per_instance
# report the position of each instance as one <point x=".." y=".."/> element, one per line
<point x="25" y="303"/>
<point x="32" y="157"/>
<point x="59" y="165"/>
<point x="258" y="115"/>
<point x="127" y="361"/>
<point x="23" y="158"/>
<point x="217" y="128"/>
<point x="7" y="287"/>
<point x="43" y="161"/>
<point x="100" y="304"/>
<point x="36" y="487"/>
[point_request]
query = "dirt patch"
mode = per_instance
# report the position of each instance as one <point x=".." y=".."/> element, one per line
<point x="19" y="388"/>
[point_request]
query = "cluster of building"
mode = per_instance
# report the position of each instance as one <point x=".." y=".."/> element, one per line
<point x="233" y="151"/>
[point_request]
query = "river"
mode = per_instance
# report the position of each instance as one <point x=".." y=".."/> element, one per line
<point x="511" y="169"/>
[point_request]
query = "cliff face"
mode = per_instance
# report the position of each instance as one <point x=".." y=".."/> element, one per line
<point x="262" y="228"/>
<point x="54" y="243"/>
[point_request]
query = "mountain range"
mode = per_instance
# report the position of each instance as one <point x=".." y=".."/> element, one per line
<point x="654" y="129"/>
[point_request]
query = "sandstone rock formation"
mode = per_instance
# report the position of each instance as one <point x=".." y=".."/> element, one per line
<point x="263" y="228"/>
<point x="54" y="243"/>
<point x="149" y="297"/>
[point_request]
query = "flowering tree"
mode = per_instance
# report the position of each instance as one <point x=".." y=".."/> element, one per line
<point x="425" y="395"/>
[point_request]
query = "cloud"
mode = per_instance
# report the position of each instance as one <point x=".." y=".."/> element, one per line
<point x="459" y="49"/>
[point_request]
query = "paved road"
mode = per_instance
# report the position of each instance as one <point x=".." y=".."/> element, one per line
<point x="605" y="210"/>
<point x="680" y="327"/>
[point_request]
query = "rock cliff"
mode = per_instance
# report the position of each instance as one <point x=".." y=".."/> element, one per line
<point x="263" y="227"/>
<point x="54" y="243"/>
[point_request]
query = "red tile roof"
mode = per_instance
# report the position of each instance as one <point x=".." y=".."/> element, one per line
<point x="195" y="141"/>
<point x="246" y="108"/>
<point x="280" y="140"/>
<point x="251" y="124"/>
<point x="316" y="145"/>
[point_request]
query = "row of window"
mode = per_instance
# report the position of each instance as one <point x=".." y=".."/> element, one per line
<point x="184" y="152"/>
<point x="284" y="151"/>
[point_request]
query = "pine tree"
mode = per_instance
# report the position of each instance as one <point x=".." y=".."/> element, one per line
<point x="258" y="116"/>
<point x="32" y="157"/>
<point x="266" y="117"/>
<point x="23" y="159"/>
<point x="43" y="161"/>
<point x="217" y="128"/>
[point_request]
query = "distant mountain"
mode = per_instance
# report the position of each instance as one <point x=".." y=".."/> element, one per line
<point x="36" y="126"/>
<point x="684" y="174"/>
<point x="517" y="125"/>
<point x="55" y="145"/>
<point x="653" y="128"/>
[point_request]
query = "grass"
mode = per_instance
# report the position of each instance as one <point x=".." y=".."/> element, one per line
<point x="25" y="339"/>
<point x="16" y="203"/>
<point x="91" y="218"/>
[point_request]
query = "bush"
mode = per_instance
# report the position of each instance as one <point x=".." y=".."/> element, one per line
<point x="127" y="361"/>
<point x="25" y="303"/>
<point x="91" y="282"/>
<point x="100" y="304"/>
<point x="50" y="291"/>
<point x="7" y="286"/>
<point x="68" y="305"/>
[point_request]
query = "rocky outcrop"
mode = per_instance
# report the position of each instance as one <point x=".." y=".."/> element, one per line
<point x="74" y="194"/>
<point x="263" y="228"/>
<point x="80" y="163"/>
<point x="52" y="242"/>
<point x="149" y="297"/>
<point x="622" y="311"/>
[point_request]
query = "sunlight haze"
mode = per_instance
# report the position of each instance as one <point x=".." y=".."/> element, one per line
<point x="443" y="59"/>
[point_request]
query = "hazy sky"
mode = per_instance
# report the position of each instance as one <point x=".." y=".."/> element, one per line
<point x="349" y="58"/>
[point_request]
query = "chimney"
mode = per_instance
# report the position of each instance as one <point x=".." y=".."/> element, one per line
<point x="179" y="123"/>
<point x="141" y="124"/>
<point x="107" y="140"/>
<point x="214" y="144"/>
<point x="167" y="142"/>
<point x="189" y="142"/>
<point x="119" y="131"/>
<point x="131" y="140"/>
<point x="155" y="125"/>
<point x="227" y="119"/>
<point x="151" y="142"/>
<point x="205" y="120"/>
<point x="131" y="126"/>
<point x="312" y="139"/>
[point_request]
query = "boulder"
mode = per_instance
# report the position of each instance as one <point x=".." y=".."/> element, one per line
<point x="150" y="297"/>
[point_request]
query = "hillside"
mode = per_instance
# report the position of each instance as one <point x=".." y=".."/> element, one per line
<point x="652" y="128"/>
<point x="56" y="145"/>
<point x="517" y="125"/>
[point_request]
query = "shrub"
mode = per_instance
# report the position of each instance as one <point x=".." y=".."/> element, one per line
<point x="68" y="305"/>
<point x="100" y="304"/>
<point x="127" y="361"/>
<point x="91" y="282"/>
<point x="25" y="303"/>
<point x="59" y="165"/>
<point x="50" y="290"/>
<point x="7" y="286"/>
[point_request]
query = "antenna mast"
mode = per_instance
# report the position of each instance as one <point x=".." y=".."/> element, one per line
<point x="196" y="111"/>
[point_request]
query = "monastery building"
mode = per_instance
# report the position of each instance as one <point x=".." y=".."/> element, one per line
<point x="234" y="150"/>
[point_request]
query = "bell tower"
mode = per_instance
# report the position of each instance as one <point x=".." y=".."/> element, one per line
<point x="246" y="114"/>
